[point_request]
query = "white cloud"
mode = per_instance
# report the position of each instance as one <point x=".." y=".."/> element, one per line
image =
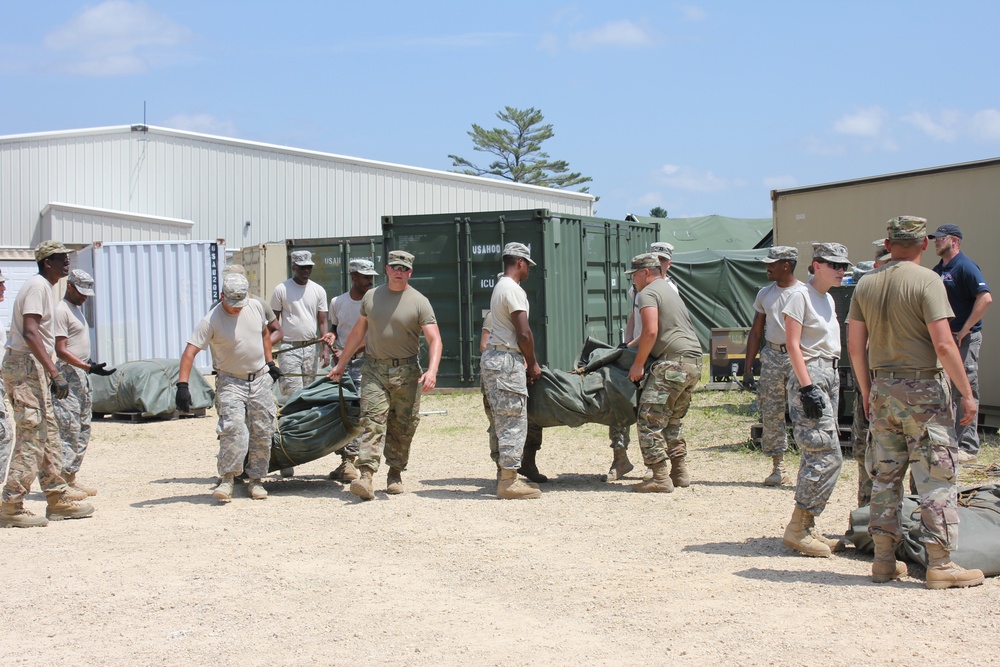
<point x="621" y="34"/>
<point x="650" y="199"/>
<point x="946" y="128"/>
<point x="115" y="38"/>
<point x="203" y="123"/>
<point x="693" y="13"/>
<point x="779" y="182"/>
<point x="985" y="125"/>
<point x="687" y="178"/>
<point x="862" y="123"/>
<point x="819" y="146"/>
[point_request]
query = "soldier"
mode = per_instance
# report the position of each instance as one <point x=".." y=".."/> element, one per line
<point x="969" y="296"/>
<point x="6" y="430"/>
<point x="669" y="342"/>
<point x="31" y="378"/>
<point x="74" y="412"/>
<point x="344" y="313"/>
<point x="775" y="368"/>
<point x="507" y="367"/>
<point x="273" y="326"/>
<point x="392" y="318"/>
<point x="236" y="331"/>
<point x="812" y="338"/>
<point x="899" y="339"/>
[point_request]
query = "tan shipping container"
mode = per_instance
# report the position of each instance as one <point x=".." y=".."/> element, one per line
<point x="266" y="267"/>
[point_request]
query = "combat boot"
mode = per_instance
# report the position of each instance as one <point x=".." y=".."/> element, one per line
<point x="224" y="491"/>
<point x="13" y="515"/>
<point x="679" y="472"/>
<point x="394" y="482"/>
<point x="345" y="472"/>
<point x="943" y="573"/>
<point x="779" y="474"/>
<point x="885" y="566"/>
<point x="511" y="488"/>
<point x="797" y="536"/>
<point x="620" y="465"/>
<point x="60" y="507"/>
<point x="74" y="493"/>
<point x="71" y="480"/>
<point x="362" y="486"/>
<point x="529" y="468"/>
<point x="834" y="545"/>
<point x="256" y="489"/>
<point x="659" y="482"/>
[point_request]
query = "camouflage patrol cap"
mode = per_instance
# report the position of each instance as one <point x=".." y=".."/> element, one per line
<point x="400" y="258"/>
<point x="82" y="281"/>
<point x="235" y="290"/>
<point x="235" y="268"/>
<point x="904" y="227"/>
<point x="363" y="266"/>
<point x="302" y="258"/>
<point x="879" y="247"/>
<point x="663" y="249"/>
<point x="831" y="252"/>
<point x="515" y="249"/>
<point x="646" y="260"/>
<point x="860" y="269"/>
<point x="781" y="253"/>
<point x="49" y="248"/>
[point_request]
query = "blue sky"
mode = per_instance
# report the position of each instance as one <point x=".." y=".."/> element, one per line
<point x="700" y="108"/>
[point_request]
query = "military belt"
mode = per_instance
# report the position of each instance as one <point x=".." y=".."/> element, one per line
<point x="833" y="362"/>
<point x="908" y="375"/>
<point x="684" y="359"/>
<point x="393" y="362"/>
<point x="249" y="377"/>
<point x="503" y="348"/>
<point x="776" y="347"/>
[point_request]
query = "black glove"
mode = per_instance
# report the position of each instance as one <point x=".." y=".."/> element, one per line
<point x="623" y="345"/>
<point x="273" y="371"/>
<point x="183" y="399"/>
<point x="748" y="382"/>
<point x="99" y="369"/>
<point x="59" y="386"/>
<point x="812" y="401"/>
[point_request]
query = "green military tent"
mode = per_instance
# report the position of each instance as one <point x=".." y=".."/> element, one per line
<point x="715" y="232"/>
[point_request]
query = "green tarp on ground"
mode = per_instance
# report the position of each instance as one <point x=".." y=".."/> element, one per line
<point x="149" y="387"/>
<point x="315" y="421"/>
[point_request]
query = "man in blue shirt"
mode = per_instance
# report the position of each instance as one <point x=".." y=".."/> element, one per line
<point x="969" y="296"/>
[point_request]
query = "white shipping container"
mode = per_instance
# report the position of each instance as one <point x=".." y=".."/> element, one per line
<point x="149" y="297"/>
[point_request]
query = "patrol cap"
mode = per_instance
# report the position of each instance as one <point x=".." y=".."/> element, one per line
<point x="781" y="253"/>
<point x="49" y="248"/>
<point x="831" y="252"/>
<point x="363" y="266"/>
<point x="82" y="281"/>
<point x="662" y="248"/>
<point x="302" y="258"/>
<point x="235" y="268"/>
<point x="860" y="269"/>
<point x="515" y="249"/>
<point x="947" y="230"/>
<point x="400" y="258"/>
<point x="235" y="289"/>
<point x="880" y="250"/>
<point x="906" y="227"/>
<point x="646" y="260"/>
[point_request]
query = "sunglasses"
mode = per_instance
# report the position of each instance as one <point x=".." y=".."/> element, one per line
<point x="836" y="266"/>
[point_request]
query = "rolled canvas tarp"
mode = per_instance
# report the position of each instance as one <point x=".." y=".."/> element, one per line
<point x="315" y="421"/>
<point x="148" y="387"/>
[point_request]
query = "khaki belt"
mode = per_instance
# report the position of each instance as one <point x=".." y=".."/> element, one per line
<point x="503" y="348"/>
<point x="393" y="362"/>
<point x="908" y="375"/>
<point x="681" y="359"/>
<point x="249" y="377"/>
<point x="776" y="347"/>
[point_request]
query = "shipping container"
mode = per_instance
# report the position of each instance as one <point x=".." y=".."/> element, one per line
<point x="149" y="297"/>
<point x="265" y="267"/>
<point x="727" y="356"/>
<point x="333" y="257"/>
<point x="578" y="290"/>
<point x="855" y="213"/>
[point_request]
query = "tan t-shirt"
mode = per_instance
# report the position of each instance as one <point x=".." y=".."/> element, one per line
<point x="675" y="335"/>
<point x="299" y="305"/>
<point x="770" y="302"/>
<point x="72" y="325"/>
<point x="897" y="302"/>
<point x="34" y="298"/>
<point x="508" y="298"/>
<point x="236" y="342"/>
<point x="817" y="314"/>
<point x="394" y="322"/>
<point x="636" y="318"/>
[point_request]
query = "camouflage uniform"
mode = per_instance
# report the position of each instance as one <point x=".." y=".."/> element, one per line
<point x="6" y="433"/>
<point x="505" y="387"/>
<point x="390" y="412"/>
<point x="912" y="423"/>
<point x="817" y="439"/>
<point x="73" y="415"/>
<point x="246" y="423"/>
<point x="354" y="371"/>
<point x="861" y="442"/>
<point x="775" y="371"/>
<point x="37" y="450"/>
<point x="663" y="404"/>
<point x="619" y="437"/>
<point x="303" y="361"/>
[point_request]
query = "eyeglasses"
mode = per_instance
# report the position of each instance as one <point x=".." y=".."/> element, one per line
<point x="402" y="269"/>
<point x="836" y="266"/>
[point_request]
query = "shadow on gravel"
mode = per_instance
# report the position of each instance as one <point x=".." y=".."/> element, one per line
<point x="751" y="485"/>
<point x="198" y="499"/>
<point x="761" y="547"/>
<point x="487" y="488"/>
<point x="187" y="480"/>
<point x="820" y="577"/>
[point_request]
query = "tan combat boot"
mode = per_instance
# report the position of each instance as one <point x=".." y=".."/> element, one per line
<point x="797" y="536"/>
<point x="779" y="474"/>
<point x="71" y="479"/>
<point x="74" y="493"/>
<point x="620" y="465"/>
<point x="362" y="486"/>
<point x="511" y="488"/>
<point x="13" y="515"/>
<point x="256" y="489"/>
<point x="660" y="481"/>
<point x="345" y="472"/>
<point x="834" y="545"/>
<point x="394" y="482"/>
<point x="679" y="472"/>
<point x="61" y="507"/>
<point x="886" y="567"/>
<point x="224" y="491"/>
<point x="942" y="573"/>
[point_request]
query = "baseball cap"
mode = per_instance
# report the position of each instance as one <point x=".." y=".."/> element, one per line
<point x="302" y="258"/>
<point x="831" y="252"/>
<point x="646" y="260"/>
<point x="49" y="248"/>
<point x="947" y="230"/>
<point x="82" y="281"/>
<point x="905" y="227"/>
<point x="515" y="249"/>
<point x="400" y="258"/>
<point x="235" y="289"/>
<point x="781" y="253"/>
<point x="363" y="266"/>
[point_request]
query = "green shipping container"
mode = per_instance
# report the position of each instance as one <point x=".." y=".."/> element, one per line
<point x="578" y="290"/>
<point x="333" y="257"/>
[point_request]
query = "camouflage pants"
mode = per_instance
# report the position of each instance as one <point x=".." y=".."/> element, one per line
<point x="246" y="423"/>
<point x="618" y="435"/>
<point x="390" y="413"/>
<point x="664" y="402"/>
<point x="505" y="387"/>
<point x="912" y="424"/>
<point x="73" y="415"/>
<point x="37" y="450"/>
<point x="968" y="436"/>
<point x="354" y="370"/>
<point x="818" y="439"/>
<point x="861" y="441"/>
<point x="304" y="361"/>
<point x="775" y="369"/>
<point x="6" y="433"/>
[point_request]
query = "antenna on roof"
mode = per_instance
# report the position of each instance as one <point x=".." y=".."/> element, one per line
<point x="143" y="127"/>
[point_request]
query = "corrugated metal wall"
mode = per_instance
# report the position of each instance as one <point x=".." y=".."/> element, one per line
<point x="73" y="225"/>
<point x="221" y="184"/>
